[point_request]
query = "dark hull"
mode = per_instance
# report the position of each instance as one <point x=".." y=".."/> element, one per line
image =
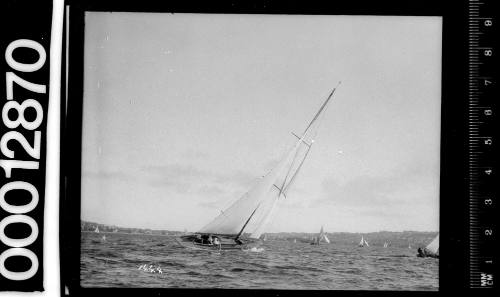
<point x="428" y="256"/>
<point x="227" y="243"/>
<point x="425" y="253"/>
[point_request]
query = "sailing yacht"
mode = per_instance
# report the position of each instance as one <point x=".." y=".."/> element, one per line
<point x="385" y="244"/>
<point x="431" y="250"/>
<point x="96" y="230"/>
<point x="363" y="242"/>
<point x="241" y="225"/>
<point x="320" y="238"/>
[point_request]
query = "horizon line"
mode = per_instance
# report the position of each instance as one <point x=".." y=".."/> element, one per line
<point x="353" y="232"/>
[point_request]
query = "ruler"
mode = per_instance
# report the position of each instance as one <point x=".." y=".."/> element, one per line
<point x="482" y="141"/>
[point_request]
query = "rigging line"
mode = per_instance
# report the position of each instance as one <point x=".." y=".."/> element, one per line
<point x="265" y="220"/>
<point x="297" y="171"/>
<point x="282" y="192"/>
<point x="301" y="139"/>
<point x="296" y="148"/>
<point x="323" y="108"/>
<point x="298" y="137"/>
<point x="291" y="165"/>
<point x="243" y="228"/>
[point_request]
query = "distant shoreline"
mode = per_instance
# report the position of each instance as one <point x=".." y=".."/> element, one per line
<point x="91" y="226"/>
<point x="126" y="233"/>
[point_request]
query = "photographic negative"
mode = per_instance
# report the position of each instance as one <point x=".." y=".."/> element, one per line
<point x="253" y="151"/>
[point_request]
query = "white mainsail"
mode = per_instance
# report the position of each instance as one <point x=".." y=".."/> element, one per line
<point x="255" y="208"/>
<point x="363" y="242"/>
<point x="385" y="244"/>
<point x="322" y="236"/>
<point x="433" y="247"/>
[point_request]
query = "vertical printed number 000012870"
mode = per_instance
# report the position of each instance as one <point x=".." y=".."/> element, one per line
<point x="17" y="247"/>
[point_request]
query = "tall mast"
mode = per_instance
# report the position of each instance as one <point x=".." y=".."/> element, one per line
<point x="283" y="188"/>
<point x="246" y="223"/>
<point x="321" y="109"/>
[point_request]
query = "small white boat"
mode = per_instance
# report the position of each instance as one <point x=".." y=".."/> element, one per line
<point x="320" y="238"/>
<point x="363" y="242"/>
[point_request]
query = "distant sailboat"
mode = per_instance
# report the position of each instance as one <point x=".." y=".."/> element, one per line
<point x="363" y="242"/>
<point x="431" y="250"/>
<point x="409" y="246"/>
<point x="96" y="229"/>
<point x="242" y="224"/>
<point x="385" y="244"/>
<point x="320" y="238"/>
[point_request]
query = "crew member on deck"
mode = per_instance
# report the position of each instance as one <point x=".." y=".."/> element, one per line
<point x="217" y="242"/>
<point x="421" y="252"/>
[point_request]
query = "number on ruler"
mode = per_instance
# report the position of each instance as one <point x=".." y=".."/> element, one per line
<point x="488" y="201"/>
<point x="488" y="112"/>
<point x="488" y="52"/>
<point x="488" y="232"/>
<point x="486" y="280"/>
<point x="488" y="23"/>
<point x="487" y="82"/>
<point x="488" y="141"/>
<point x="488" y="171"/>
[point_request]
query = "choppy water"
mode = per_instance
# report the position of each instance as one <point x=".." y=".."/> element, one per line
<point x="115" y="262"/>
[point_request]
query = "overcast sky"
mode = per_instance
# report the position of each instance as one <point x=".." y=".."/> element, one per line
<point x="183" y="112"/>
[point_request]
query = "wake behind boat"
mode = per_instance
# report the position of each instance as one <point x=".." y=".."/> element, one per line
<point x="241" y="225"/>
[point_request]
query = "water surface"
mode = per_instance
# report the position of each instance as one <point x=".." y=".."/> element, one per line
<point x="115" y="262"/>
